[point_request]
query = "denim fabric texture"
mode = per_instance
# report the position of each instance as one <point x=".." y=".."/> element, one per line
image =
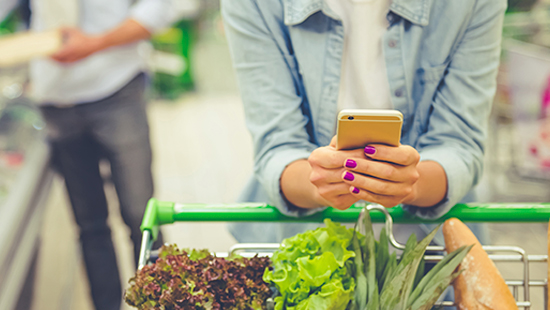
<point x="441" y="60"/>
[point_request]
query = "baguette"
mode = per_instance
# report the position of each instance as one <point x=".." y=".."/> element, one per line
<point x="480" y="285"/>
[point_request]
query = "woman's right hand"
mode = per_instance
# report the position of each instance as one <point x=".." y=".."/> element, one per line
<point x="327" y="166"/>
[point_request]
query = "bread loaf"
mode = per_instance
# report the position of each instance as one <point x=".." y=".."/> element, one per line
<point x="480" y="285"/>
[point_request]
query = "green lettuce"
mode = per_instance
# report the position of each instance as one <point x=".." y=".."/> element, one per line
<point x="314" y="270"/>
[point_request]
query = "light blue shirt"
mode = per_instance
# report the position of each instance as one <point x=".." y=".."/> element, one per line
<point x="441" y="61"/>
<point x="103" y="73"/>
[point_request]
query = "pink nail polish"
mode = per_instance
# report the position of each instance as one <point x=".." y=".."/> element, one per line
<point x="370" y="150"/>
<point x="350" y="163"/>
<point x="355" y="190"/>
<point x="348" y="176"/>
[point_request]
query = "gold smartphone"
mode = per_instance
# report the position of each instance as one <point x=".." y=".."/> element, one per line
<point x="358" y="127"/>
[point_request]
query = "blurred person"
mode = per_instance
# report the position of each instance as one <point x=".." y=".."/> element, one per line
<point x="299" y="62"/>
<point x="92" y="95"/>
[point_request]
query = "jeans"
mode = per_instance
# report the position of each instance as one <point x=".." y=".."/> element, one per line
<point x="116" y="129"/>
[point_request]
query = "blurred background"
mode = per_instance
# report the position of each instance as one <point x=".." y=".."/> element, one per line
<point x="202" y="153"/>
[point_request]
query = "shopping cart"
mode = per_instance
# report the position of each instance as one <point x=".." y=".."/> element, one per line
<point x="161" y="213"/>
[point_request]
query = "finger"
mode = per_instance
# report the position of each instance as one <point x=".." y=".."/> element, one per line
<point x="320" y="176"/>
<point x="343" y="202"/>
<point x="63" y="53"/>
<point x="402" y="155"/>
<point x="376" y="186"/>
<point x="326" y="157"/>
<point x="63" y="58"/>
<point x="379" y="169"/>
<point x="60" y="57"/>
<point x="330" y="191"/>
<point x="386" y="201"/>
<point x="333" y="142"/>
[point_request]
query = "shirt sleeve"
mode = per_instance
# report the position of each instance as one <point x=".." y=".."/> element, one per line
<point x="458" y="122"/>
<point x="267" y="76"/>
<point x="6" y="6"/>
<point x="154" y="14"/>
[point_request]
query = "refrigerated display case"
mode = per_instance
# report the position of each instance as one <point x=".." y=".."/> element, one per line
<point x="25" y="180"/>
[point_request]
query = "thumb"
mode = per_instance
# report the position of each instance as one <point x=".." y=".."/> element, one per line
<point x="333" y="142"/>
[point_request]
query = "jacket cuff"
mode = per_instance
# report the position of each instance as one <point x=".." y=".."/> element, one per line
<point x="270" y="176"/>
<point x="459" y="182"/>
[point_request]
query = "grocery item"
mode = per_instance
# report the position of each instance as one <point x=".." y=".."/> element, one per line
<point x="23" y="47"/>
<point x="314" y="270"/>
<point x="479" y="285"/>
<point x="197" y="280"/>
<point x="400" y="284"/>
<point x="336" y="268"/>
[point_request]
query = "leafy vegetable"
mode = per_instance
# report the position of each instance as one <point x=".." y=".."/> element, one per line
<point x="193" y="279"/>
<point x="313" y="270"/>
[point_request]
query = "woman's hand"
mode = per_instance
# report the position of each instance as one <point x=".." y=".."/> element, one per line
<point x="327" y="167"/>
<point x="388" y="176"/>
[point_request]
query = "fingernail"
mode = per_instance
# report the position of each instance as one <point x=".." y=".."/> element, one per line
<point x="355" y="190"/>
<point x="370" y="150"/>
<point x="348" y="176"/>
<point x="350" y="163"/>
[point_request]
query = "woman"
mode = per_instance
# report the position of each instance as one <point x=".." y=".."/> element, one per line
<point x="299" y="62"/>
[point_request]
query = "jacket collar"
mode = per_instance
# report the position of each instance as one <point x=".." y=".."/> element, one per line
<point x="415" y="11"/>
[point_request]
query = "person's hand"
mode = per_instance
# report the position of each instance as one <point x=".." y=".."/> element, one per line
<point x="327" y="165"/>
<point x="77" y="46"/>
<point x="387" y="177"/>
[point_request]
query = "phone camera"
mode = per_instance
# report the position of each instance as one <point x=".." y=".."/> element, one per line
<point x="350" y="118"/>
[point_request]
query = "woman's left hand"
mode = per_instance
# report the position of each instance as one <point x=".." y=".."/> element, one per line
<point x="387" y="177"/>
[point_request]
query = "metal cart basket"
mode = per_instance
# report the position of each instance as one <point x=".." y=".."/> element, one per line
<point x="161" y="213"/>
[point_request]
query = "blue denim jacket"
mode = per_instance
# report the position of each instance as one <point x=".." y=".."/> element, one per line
<point x="441" y="58"/>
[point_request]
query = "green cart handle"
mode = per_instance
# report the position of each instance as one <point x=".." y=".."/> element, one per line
<point x="162" y="212"/>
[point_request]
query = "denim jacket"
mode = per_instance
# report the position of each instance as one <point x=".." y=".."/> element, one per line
<point x="441" y="60"/>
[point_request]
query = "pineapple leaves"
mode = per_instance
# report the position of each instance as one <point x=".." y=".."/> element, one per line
<point x="410" y="258"/>
<point x="370" y="265"/>
<point x="384" y="282"/>
<point x="436" y="280"/>
<point x="360" y="300"/>
<point x="382" y="255"/>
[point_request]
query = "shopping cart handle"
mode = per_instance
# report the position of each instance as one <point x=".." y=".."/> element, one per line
<point x="162" y="212"/>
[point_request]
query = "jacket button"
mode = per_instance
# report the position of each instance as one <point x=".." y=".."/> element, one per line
<point x="392" y="43"/>
<point x="399" y="92"/>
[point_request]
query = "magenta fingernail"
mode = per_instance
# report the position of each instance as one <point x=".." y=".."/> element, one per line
<point x="370" y="150"/>
<point x="348" y="176"/>
<point x="355" y="190"/>
<point x="350" y="163"/>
